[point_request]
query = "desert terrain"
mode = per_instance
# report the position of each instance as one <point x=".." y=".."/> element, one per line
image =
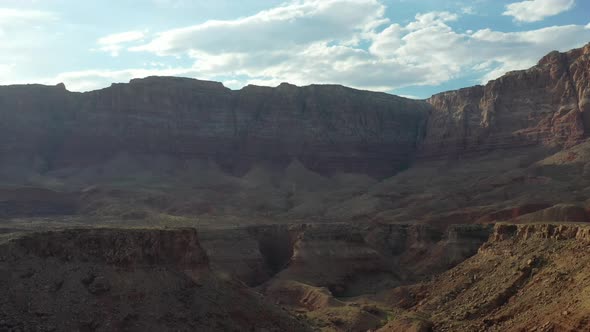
<point x="177" y="204"/>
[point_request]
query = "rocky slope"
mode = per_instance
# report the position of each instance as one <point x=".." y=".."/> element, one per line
<point x="525" y="278"/>
<point x="530" y="277"/>
<point x="123" y="280"/>
<point x="154" y="279"/>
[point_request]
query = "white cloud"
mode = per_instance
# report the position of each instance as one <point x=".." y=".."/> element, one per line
<point x="468" y="10"/>
<point x="295" y="23"/>
<point x="537" y="10"/>
<point x="347" y="42"/>
<point x="114" y="43"/>
<point x="11" y="16"/>
<point x="432" y="20"/>
<point x="520" y="50"/>
<point x="87" y="80"/>
<point x="5" y="69"/>
<point x="22" y="39"/>
<point x="388" y="39"/>
<point x="410" y="96"/>
<point x="123" y="37"/>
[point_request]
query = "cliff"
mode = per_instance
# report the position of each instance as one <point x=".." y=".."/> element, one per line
<point x="548" y="104"/>
<point x="328" y="128"/>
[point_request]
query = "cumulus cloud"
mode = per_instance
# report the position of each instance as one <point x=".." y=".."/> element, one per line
<point x="297" y="23"/>
<point x="537" y="10"/>
<point x="348" y="42"/>
<point x="21" y="38"/>
<point x="114" y="43"/>
<point x="86" y="80"/>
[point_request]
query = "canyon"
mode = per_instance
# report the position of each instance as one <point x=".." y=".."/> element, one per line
<point x="171" y="203"/>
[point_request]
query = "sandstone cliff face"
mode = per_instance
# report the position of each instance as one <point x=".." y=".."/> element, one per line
<point x="328" y="128"/>
<point x="547" y="104"/>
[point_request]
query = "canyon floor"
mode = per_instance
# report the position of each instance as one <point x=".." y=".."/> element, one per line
<point x="315" y="277"/>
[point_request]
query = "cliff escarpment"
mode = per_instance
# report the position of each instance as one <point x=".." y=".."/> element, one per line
<point x="326" y="127"/>
<point x="183" y="147"/>
<point x="329" y="128"/>
<point x="548" y="104"/>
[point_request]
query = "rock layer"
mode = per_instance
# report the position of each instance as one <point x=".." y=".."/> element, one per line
<point x="328" y="128"/>
<point x="547" y="104"/>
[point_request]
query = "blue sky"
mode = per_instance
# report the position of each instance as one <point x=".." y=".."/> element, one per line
<point x="407" y="47"/>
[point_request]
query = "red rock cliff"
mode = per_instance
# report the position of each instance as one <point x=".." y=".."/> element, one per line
<point x="547" y="104"/>
<point x="328" y="128"/>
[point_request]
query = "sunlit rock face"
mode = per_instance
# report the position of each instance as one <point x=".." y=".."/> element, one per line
<point x="547" y="104"/>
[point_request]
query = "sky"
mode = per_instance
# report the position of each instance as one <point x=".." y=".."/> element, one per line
<point x="413" y="48"/>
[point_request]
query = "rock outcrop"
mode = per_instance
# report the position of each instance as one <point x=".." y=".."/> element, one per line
<point x="525" y="278"/>
<point x="516" y="233"/>
<point x="124" y="280"/>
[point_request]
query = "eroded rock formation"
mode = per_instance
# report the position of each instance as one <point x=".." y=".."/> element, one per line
<point x="348" y="259"/>
<point x="123" y="280"/>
